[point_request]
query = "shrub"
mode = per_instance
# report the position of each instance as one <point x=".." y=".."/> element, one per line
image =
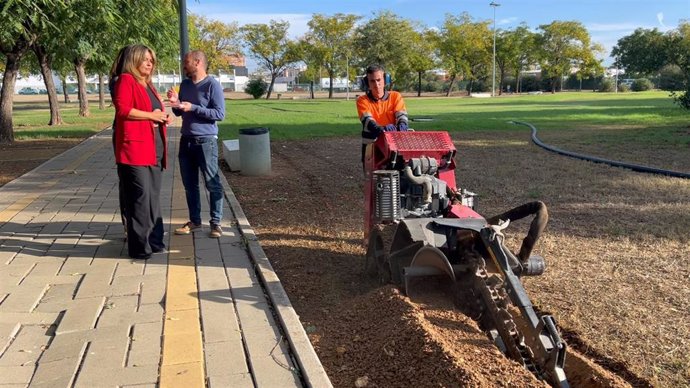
<point x="642" y="84"/>
<point x="479" y="86"/>
<point x="623" y="88"/>
<point x="256" y="88"/>
<point x="682" y="99"/>
<point x="606" y="85"/>
<point x="671" y="78"/>
<point x="529" y="83"/>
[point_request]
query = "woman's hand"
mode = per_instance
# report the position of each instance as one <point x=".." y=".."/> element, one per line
<point x="159" y="116"/>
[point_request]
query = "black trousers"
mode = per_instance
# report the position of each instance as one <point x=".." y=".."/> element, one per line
<point x="142" y="187"/>
<point x="120" y="187"/>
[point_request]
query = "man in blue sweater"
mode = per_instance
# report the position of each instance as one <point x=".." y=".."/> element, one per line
<point x="201" y="104"/>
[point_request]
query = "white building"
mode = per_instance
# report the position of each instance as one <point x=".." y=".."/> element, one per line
<point x="338" y="83"/>
<point x="34" y="84"/>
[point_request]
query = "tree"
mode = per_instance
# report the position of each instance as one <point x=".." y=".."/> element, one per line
<point x="256" y="88"/>
<point x="589" y="67"/>
<point x="86" y="27"/>
<point x="526" y="52"/>
<point x="328" y="43"/>
<point x="23" y="21"/>
<point x="218" y="40"/>
<point x="643" y="51"/>
<point x="647" y="52"/>
<point x="464" y="47"/>
<point x="562" y="45"/>
<point x="514" y="52"/>
<point x="44" y="57"/>
<point x="421" y="55"/>
<point x="270" y="46"/>
<point x="95" y="30"/>
<point x="679" y="55"/>
<point x="385" y="40"/>
<point x="507" y="48"/>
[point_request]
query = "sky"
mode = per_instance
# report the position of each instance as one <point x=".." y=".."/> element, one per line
<point x="606" y="20"/>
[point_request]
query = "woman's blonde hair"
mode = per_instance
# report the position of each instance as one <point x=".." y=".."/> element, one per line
<point x="134" y="57"/>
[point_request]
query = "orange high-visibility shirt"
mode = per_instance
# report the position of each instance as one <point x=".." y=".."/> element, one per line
<point x="390" y="109"/>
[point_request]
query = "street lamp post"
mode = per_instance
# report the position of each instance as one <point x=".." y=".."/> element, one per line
<point x="184" y="35"/>
<point x="347" y="77"/>
<point x="493" y="5"/>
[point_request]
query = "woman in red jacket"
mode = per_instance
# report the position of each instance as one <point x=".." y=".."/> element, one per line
<point x="141" y="151"/>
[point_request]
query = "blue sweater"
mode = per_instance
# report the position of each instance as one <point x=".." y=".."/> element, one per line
<point x="208" y="107"/>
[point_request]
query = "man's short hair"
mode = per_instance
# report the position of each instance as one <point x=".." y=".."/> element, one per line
<point x="374" y="68"/>
<point x="200" y="56"/>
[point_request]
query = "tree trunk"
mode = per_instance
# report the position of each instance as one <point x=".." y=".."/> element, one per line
<point x="311" y="89"/>
<point x="270" y="87"/>
<point x="81" y="80"/>
<point x="7" y="97"/>
<point x="101" y="92"/>
<point x="450" y="87"/>
<point x="419" y="84"/>
<point x="65" y="93"/>
<point x="517" y="81"/>
<point x="44" y="62"/>
<point x="330" y="86"/>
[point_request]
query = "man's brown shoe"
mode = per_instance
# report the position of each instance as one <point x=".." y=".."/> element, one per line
<point x="188" y="228"/>
<point x="216" y="231"/>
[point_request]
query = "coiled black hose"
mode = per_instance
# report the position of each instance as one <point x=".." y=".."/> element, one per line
<point x="615" y="163"/>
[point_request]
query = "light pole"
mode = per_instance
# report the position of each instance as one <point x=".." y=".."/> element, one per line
<point x="184" y="34"/>
<point x="347" y="77"/>
<point x="493" y="5"/>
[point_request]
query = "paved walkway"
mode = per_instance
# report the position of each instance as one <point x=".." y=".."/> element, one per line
<point x="75" y="311"/>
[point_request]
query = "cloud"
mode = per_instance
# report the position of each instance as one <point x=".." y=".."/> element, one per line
<point x="660" y="18"/>
<point x="505" y="21"/>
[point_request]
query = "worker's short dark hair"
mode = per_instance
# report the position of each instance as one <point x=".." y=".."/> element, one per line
<point x="374" y="68"/>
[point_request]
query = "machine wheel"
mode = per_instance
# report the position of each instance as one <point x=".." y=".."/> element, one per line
<point x="374" y="250"/>
<point x="376" y="262"/>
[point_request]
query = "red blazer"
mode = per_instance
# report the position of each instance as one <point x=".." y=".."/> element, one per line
<point x="135" y="143"/>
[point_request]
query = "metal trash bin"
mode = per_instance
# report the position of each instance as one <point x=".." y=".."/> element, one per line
<point x="255" y="151"/>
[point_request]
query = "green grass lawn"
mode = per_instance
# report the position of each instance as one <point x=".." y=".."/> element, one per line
<point x="30" y="118"/>
<point x="644" y="117"/>
<point x="647" y="117"/>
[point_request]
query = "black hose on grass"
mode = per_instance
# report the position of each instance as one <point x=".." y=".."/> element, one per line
<point x="615" y="163"/>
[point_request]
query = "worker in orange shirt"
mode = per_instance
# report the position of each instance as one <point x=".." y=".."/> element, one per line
<point x="379" y="110"/>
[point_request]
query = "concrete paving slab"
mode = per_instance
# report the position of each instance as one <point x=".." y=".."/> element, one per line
<point x="225" y="358"/>
<point x="145" y="348"/>
<point x="26" y="348"/>
<point x="20" y="375"/>
<point x="82" y="315"/>
<point x="182" y="375"/>
<point x="60" y="373"/>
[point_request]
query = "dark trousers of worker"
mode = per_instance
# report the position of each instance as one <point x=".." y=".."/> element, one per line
<point x="142" y="187"/>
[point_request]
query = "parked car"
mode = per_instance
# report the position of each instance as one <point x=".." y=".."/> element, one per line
<point x="28" y="90"/>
